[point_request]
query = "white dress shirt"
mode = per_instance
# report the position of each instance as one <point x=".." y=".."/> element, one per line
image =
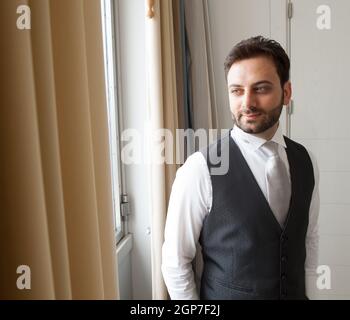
<point x="190" y="202"/>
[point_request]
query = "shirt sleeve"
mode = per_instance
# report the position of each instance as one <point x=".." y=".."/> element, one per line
<point x="312" y="237"/>
<point x="189" y="203"/>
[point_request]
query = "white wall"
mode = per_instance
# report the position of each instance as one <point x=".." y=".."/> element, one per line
<point x="320" y="121"/>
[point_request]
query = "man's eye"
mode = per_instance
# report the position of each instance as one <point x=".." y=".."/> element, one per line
<point x="236" y="91"/>
<point x="262" y="89"/>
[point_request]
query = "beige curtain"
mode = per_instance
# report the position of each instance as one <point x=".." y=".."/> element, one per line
<point x="56" y="202"/>
<point x="163" y="113"/>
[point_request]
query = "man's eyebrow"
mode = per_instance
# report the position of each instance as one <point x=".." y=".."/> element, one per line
<point x="254" y="84"/>
<point x="262" y="82"/>
<point x="235" y="85"/>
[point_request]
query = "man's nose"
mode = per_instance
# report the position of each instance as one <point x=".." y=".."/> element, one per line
<point x="248" y="100"/>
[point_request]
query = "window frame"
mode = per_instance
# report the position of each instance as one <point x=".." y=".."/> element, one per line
<point x="114" y="92"/>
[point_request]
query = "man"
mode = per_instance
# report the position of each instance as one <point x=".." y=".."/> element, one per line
<point x="257" y="223"/>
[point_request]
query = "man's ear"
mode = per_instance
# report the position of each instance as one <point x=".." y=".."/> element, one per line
<point x="287" y="90"/>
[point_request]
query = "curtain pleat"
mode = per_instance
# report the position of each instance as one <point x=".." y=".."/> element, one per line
<point x="24" y="223"/>
<point x="49" y="145"/>
<point x="156" y="122"/>
<point x="100" y="143"/>
<point x="163" y="114"/>
<point x="202" y="104"/>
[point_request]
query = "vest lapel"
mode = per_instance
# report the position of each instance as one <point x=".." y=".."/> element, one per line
<point x="247" y="176"/>
<point x="293" y="179"/>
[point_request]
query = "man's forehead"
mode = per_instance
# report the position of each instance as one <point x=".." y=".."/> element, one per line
<point x="253" y="70"/>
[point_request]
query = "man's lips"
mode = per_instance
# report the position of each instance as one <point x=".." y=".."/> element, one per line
<point x="252" y="115"/>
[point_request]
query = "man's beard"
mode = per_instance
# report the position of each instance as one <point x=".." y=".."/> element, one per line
<point x="265" y="121"/>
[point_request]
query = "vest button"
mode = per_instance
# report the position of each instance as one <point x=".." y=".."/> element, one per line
<point x="284" y="258"/>
<point x="284" y="238"/>
<point x="283" y="276"/>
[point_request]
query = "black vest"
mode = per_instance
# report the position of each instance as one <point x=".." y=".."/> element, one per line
<point x="246" y="253"/>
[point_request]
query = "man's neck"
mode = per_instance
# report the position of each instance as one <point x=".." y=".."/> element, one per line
<point x="269" y="133"/>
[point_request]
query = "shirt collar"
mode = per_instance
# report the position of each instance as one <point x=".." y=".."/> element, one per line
<point x="253" y="142"/>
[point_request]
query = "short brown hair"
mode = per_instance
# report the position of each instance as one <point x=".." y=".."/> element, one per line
<point x="260" y="46"/>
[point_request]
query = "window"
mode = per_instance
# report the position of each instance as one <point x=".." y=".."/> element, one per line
<point x="110" y="63"/>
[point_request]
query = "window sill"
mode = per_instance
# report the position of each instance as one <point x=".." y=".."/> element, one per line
<point x="124" y="247"/>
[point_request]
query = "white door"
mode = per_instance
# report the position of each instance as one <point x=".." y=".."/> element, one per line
<point x="320" y="55"/>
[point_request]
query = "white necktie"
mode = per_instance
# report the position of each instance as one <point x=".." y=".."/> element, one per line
<point x="277" y="182"/>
